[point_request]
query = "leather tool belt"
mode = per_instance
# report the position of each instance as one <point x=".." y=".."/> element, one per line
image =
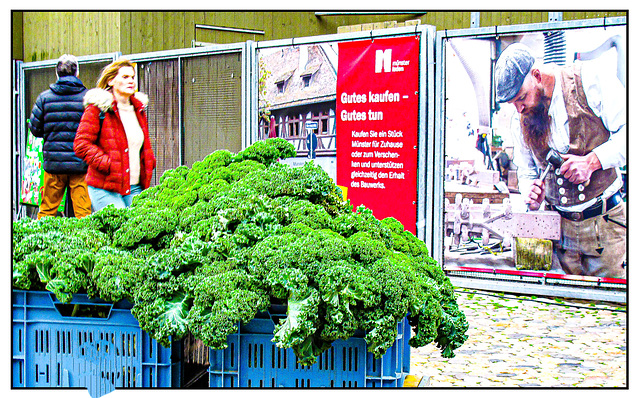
<point x="598" y="208"/>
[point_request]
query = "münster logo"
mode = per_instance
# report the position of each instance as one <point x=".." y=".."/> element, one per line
<point x="383" y="61"/>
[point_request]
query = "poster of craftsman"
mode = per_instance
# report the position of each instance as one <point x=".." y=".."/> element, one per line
<point x="536" y="153"/>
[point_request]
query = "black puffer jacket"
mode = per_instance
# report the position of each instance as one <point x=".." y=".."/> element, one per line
<point x="55" y="117"/>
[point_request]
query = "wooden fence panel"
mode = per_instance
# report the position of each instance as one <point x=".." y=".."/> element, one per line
<point x="160" y="81"/>
<point x="212" y="105"/>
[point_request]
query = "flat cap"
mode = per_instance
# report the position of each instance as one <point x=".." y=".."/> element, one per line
<point x="512" y="67"/>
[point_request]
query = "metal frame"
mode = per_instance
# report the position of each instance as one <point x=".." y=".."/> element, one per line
<point x="250" y="87"/>
<point x="343" y="13"/>
<point x="247" y="70"/>
<point x="425" y="106"/>
<point x="539" y="288"/>
<point x="438" y="193"/>
<point x="20" y="113"/>
<point x="17" y="138"/>
<point x="230" y="29"/>
<point x="367" y="34"/>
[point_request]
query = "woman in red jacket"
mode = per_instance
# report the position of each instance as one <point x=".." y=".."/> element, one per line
<point x="113" y="138"/>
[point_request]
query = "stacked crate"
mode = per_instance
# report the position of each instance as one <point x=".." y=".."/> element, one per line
<point x="253" y="360"/>
<point x="101" y="350"/>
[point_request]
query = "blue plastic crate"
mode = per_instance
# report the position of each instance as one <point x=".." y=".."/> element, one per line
<point x="253" y="360"/>
<point x="52" y="349"/>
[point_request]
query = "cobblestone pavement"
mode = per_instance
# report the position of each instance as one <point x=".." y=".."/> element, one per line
<point x="524" y="341"/>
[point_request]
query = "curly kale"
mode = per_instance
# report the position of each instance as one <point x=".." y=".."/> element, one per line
<point x="162" y="307"/>
<point x="273" y="252"/>
<point x="382" y="330"/>
<point x="146" y="227"/>
<point x="366" y="249"/>
<point x="208" y="191"/>
<point x="179" y="172"/>
<point x="212" y="245"/>
<point x="239" y="171"/>
<point x="452" y="329"/>
<point x="252" y="219"/>
<point x="397" y="290"/>
<point x="190" y="216"/>
<point x="297" y="330"/>
<point x="267" y="152"/>
<point x="215" y="160"/>
<point x="164" y="291"/>
<point x="362" y="220"/>
<point x="296" y="228"/>
<point x="286" y="281"/>
<point x="345" y="287"/>
<point x="37" y="242"/>
<point x="304" y="212"/>
<point x="166" y="198"/>
<point x="221" y="301"/>
<point x="60" y="260"/>
<point x="63" y="272"/>
<point x="404" y="241"/>
<point x="117" y="273"/>
<point x="108" y="220"/>
<point x="309" y="182"/>
<point x="434" y="313"/>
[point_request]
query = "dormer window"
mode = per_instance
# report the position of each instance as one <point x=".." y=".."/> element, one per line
<point x="281" y="81"/>
<point x="308" y="72"/>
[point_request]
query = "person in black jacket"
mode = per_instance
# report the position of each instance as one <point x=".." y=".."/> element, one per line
<point x="55" y="117"/>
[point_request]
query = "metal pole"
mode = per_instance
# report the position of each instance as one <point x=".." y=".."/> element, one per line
<point x="17" y="138"/>
<point x="344" y="13"/>
<point x="180" y="114"/>
<point x="227" y="29"/>
<point x="436" y="193"/>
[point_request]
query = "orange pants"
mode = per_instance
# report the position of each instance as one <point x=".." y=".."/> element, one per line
<point x="53" y="191"/>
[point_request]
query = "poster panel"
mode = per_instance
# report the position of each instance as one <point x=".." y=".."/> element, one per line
<point x="486" y="161"/>
<point x="32" y="176"/>
<point x="377" y="124"/>
<point x="33" y="173"/>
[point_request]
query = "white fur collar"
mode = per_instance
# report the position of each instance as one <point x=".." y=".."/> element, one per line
<point x="142" y="97"/>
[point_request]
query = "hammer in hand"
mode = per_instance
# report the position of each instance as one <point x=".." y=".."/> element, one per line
<point x="553" y="159"/>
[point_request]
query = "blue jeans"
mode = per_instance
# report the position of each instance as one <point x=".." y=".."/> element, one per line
<point x="101" y="198"/>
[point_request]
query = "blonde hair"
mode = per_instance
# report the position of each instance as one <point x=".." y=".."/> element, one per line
<point x="110" y="71"/>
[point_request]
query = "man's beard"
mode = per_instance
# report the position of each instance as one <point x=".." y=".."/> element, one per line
<point x="536" y="122"/>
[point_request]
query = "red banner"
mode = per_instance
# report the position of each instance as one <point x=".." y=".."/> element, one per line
<point x="377" y="125"/>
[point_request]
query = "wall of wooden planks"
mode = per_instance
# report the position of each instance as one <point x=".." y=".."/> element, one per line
<point x="47" y="35"/>
<point x="42" y="35"/>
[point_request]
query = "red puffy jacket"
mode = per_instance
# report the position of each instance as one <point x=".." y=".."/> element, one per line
<point x="106" y="150"/>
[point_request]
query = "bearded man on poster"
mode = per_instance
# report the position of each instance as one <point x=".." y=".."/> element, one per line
<point x="579" y="111"/>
